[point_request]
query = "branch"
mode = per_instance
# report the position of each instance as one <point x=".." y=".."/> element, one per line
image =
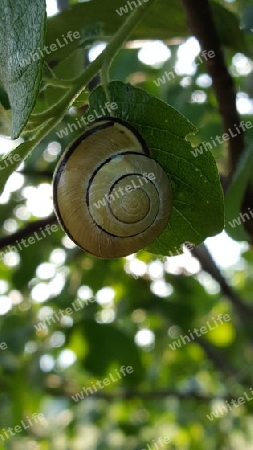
<point x="201" y="23"/>
<point x="245" y="312"/>
<point x="27" y="231"/>
<point x="217" y="357"/>
<point x="104" y="59"/>
<point x="144" y="395"/>
<point x="37" y="173"/>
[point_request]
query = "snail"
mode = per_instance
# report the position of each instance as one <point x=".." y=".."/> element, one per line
<point x="110" y="196"/>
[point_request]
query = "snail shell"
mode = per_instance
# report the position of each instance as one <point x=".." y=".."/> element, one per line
<point x="110" y="196"/>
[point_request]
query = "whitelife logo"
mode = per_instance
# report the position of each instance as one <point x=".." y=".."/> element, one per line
<point x="199" y="331"/>
<point x="6" y="434"/>
<point x="132" y="5"/>
<point x="129" y="187"/>
<point x="168" y="76"/>
<point x="242" y="217"/>
<point x="52" y="48"/>
<point x="101" y="384"/>
<point x="31" y="239"/>
<point x="158" y="443"/>
<point x="220" y="139"/>
<point x="9" y="160"/>
<point x="220" y="410"/>
<point x="85" y="122"/>
<point x="44" y="324"/>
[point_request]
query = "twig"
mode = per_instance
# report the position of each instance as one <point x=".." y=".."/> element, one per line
<point x="201" y="23"/>
<point x="27" y="231"/>
<point x="144" y="395"/>
<point x="218" y="358"/>
<point x="36" y="173"/>
<point x="245" y="312"/>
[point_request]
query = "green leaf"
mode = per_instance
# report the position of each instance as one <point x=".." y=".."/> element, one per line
<point x="16" y="332"/>
<point x="197" y="196"/>
<point x="109" y="345"/>
<point x="234" y="196"/>
<point x="230" y="35"/>
<point x="163" y="21"/>
<point x="22" y="28"/>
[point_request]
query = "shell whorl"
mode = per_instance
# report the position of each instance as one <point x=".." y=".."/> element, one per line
<point x="110" y="196"/>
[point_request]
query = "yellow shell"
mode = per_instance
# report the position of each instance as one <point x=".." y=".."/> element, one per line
<point x="110" y="196"/>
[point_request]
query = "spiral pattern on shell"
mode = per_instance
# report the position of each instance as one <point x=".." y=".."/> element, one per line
<point x="110" y="196"/>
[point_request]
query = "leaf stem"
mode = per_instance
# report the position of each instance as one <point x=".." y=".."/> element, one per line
<point x="58" y="82"/>
<point x="103" y="61"/>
